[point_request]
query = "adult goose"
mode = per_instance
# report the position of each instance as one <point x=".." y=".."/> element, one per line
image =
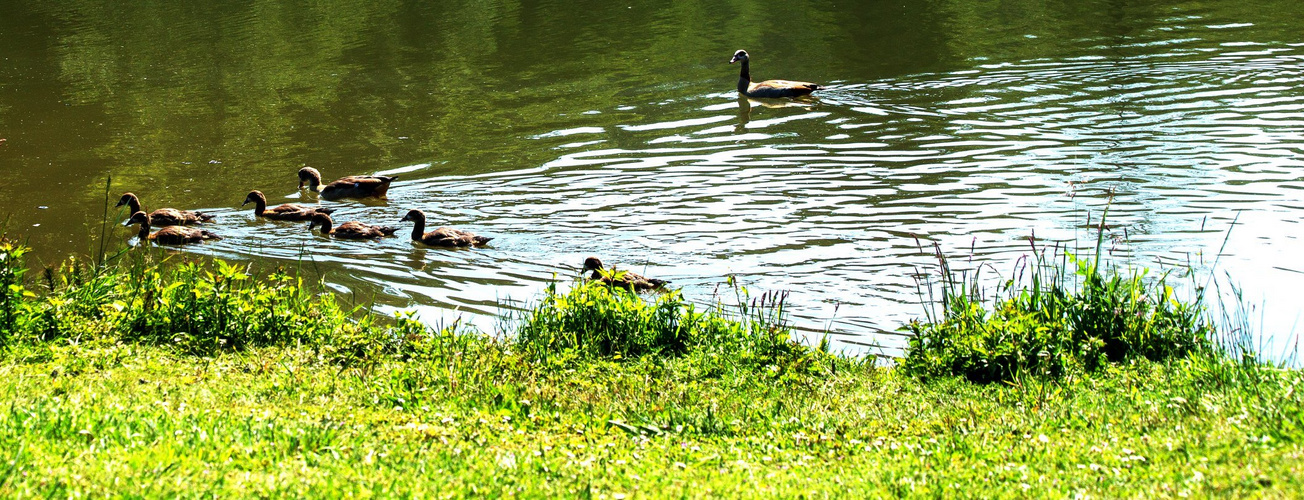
<point x="353" y="186"/>
<point x="769" y="88"/>
<point x="288" y="211"/>
<point x="170" y="235"/>
<point x="623" y="279"/>
<point x="442" y="237"/>
<point x="165" y="216"/>
<point x="352" y="230"/>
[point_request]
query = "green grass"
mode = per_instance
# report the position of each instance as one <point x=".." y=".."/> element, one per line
<point x="122" y="419"/>
<point x="137" y="379"/>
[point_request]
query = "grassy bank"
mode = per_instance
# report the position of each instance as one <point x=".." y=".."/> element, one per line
<point x="204" y="380"/>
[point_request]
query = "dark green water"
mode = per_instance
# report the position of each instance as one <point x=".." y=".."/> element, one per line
<point x="567" y="129"/>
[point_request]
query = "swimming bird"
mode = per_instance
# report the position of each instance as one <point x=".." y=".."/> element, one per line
<point x="442" y="237"/>
<point x="170" y="235"/>
<point x="353" y="186"/>
<point x="769" y="88"/>
<point x="288" y="211"/>
<point x="165" y="216"/>
<point x="623" y="279"/>
<point x="352" y="230"/>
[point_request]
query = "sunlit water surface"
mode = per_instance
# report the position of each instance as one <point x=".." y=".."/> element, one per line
<point x="1186" y="117"/>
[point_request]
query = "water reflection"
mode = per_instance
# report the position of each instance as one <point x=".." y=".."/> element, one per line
<point x="744" y="114"/>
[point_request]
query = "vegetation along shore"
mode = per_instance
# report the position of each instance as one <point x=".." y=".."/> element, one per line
<point x="141" y="377"/>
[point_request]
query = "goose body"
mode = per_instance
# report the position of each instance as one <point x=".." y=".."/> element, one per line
<point x="441" y="237"/>
<point x="626" y="279"/>
<point x="353" y="186"/>
<point x="165" y="216"/>
<point x="288" y="211"/>
<point x="352" y="230"/>
<point x="768" y="88"/>
<point x="170" y="235"/>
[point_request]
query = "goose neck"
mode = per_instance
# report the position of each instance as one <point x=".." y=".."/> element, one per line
<point x="418" y="227"/>
<point x="744" y="77"/>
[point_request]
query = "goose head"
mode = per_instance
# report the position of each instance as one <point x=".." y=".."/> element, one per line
<point x="414" y="216"/>
<point x="321" y="219"/>
<point x="739" y="56"/>
<point x="139" y="217"/>
<point x="254" y="197"/>
<point x="127" y="199"/>
<point x="310" y="176"/>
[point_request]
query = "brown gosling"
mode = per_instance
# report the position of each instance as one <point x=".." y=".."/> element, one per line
<point x="353" y="186"/>
<point x="442" y="237"/>
<point x="288" y="211"/>
<point x="170" y="235"/>
<point x="165" y="216"/>
<point x="352" y="230"/>
<point x="623" y="279"/>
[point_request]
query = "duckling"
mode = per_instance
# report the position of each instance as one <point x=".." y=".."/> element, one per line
<point x="442" y="237"/>
<point x="352" y="230"/>
<point x="170" y="235"/>
<point x="769" y="88"/>
<point x="353" y="186"/>
<point x="165" y="216"/>
<point x="627" y="279"/>
<point x="288" y="211"/>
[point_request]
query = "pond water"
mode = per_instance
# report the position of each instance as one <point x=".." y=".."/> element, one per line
<point x="568" y="129"/>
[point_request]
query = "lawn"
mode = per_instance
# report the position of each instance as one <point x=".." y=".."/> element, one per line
<point x="207" y="379"/>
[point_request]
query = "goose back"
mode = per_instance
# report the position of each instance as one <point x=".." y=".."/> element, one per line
<point x="286" y="211"/>
<point x="165" y="216"/>
<point x="441" y="237"/>
<point x="170" y="235"/>
<point x="351" y="230"/>
<point x="353" y="186"/>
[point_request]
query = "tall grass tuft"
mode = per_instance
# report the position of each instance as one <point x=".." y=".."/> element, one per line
<point x="603" y="320"/>
<point x="198" y="308"/>
<point x="1071" y="314"/>
<point x="596" y="320"/>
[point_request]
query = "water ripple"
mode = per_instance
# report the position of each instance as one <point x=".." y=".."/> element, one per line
<point x="840" y="199"/>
